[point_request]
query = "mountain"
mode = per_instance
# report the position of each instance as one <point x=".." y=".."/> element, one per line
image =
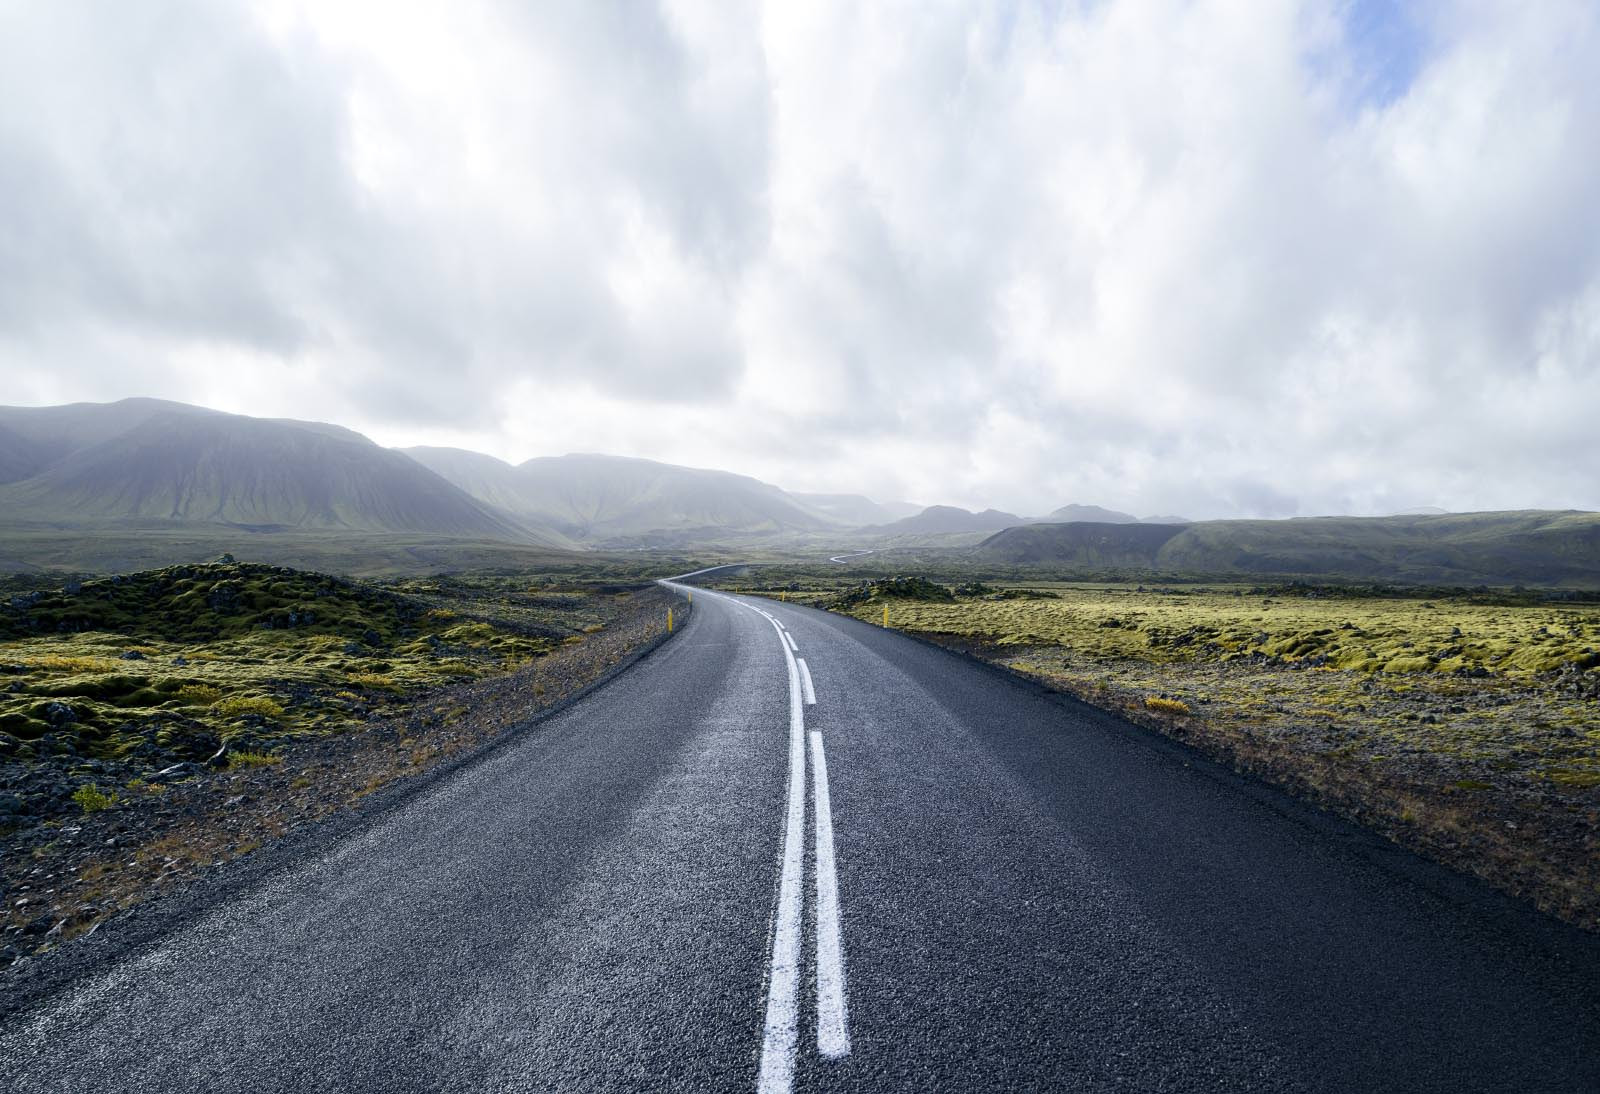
<point x="1074" y="514"/>
<point x="1530" y="547"/>
<point x="944" y="519"/>
<point x="1165" y="519"/>
<point x="1087" y="545"/>
<point x="490" y="480"/>
<point x="619" y="501"/>
<point x="147" y="460"/>
<point x="20" y="457"/>
<point x="855" y="510"/>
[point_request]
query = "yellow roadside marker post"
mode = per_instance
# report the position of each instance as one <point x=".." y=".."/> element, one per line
<point x="886" y="615"/>
<point x="783" y="596"/>
<point x="669" y="620"/>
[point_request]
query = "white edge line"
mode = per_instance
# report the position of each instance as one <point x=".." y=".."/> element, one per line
<point x="833" y="1022"/>
<point x="806" y="689"/>
<point x="780" y="1039"/>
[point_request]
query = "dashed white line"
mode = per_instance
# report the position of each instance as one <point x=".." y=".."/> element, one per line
<point x="806" y="689"/>
<point x="789" y="638"/>
<point x="833" y="1029"/>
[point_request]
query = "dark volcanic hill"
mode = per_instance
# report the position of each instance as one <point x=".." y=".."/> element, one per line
<point x="1534" y="547"/>
<point x="144" y="460"/>
<point x="620" y="501"/>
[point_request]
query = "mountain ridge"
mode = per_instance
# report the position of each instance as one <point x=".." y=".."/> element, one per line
<point x="1538" y="546"/>
<point x="151" y="460"/>
<point x="625" y="500"/>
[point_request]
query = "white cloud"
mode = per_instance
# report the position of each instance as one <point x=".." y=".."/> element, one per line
<point x="1212" y="258"/>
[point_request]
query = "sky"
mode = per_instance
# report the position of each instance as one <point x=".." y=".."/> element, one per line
<point x="1209" y="258"/>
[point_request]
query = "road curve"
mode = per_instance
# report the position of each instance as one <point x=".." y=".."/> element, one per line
<point x="931" y="877"/>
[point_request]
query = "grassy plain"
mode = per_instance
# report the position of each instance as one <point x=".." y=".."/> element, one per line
<point x="126" y="547"/>
<point x="1501" y="687"/>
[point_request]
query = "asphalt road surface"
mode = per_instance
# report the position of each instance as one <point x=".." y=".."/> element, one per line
<point x="931" y="878"/>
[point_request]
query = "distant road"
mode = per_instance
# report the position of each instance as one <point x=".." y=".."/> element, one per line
<point x="853" y="554"/>
<point x="930" y="878"/>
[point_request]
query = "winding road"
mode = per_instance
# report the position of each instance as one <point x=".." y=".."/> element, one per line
<point x="789" y="850"/>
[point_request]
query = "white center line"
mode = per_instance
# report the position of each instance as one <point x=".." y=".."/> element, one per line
<point x="780" y="1039"/>
<point x="805" y="682"/>
<point x="833" y="1029"/>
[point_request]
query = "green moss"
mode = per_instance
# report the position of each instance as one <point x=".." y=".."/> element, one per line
<point x="237" y="706"/>
<point x="1582" y="779"/>
<point x="175" y="665"/>
<point x="92" y="799"/>
<point x="243" y="759"/>
<point x="198" y="695"/>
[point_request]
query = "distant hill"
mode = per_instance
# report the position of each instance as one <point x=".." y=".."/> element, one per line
<point x="1534" y="547"/>
<point x="855" y="510"/>
<point x="619" y="501"/>
<point x="1074" y="514"/>
<point x="1087" y="545"/>
<point x="146" y="460"/>
<point x="486" y="478"/>
<point x="942" y="519"/>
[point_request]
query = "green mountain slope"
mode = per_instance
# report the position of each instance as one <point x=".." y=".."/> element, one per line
<point x="1088" y="545"/>
<point x="1532" y="547"/>
<point x="146" y="460"/>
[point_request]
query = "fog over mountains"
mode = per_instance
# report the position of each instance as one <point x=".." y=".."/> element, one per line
<point x="153" y="461"/>
<point x="617" y="500"/>
<point x="146" y="465"/>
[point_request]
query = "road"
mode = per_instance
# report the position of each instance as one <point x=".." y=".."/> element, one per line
<point x="931" y="878"/>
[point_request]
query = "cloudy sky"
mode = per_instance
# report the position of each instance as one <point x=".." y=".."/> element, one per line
<point x="1214" y="258"/>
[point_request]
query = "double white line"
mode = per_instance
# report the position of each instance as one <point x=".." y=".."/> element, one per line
<point x="780" y="1042"/>
<point x="780" y="1039"/>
